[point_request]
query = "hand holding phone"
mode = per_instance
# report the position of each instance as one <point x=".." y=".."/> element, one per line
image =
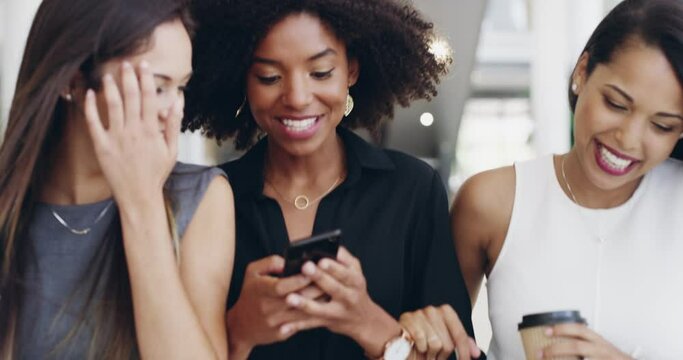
<point x="313" y="249"/>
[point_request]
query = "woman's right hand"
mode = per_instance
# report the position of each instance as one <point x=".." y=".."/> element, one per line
<point x="437" y="332"/>
<point x="261" y="310"/>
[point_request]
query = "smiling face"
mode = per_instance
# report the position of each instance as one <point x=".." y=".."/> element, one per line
<point x="169" y="56"/>
<point x="297" y="84"/>
<point x="629" y="115"/>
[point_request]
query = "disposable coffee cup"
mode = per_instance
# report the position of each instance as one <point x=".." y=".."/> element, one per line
<point x="532" y="330"/>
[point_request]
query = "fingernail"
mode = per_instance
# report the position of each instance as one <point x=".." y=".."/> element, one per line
<point x="108" y="78"/>
<point x="539" y="354"/>
<point x="308" y="268"/>
<point x="126" y="65"/>
<point x="285" y="329"/>
<point x="324" y="264"/>
<point x="548" y="332"/>
<point x="293" y="300"/>
<point x="144" y="64"/>
<point x="89" y="93"/>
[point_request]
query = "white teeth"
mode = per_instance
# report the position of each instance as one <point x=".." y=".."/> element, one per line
<point x="299" y="125"/>
<point x="613" y="160"/>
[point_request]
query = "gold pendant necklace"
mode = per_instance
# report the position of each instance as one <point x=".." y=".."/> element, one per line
<point x="302" y="202"/>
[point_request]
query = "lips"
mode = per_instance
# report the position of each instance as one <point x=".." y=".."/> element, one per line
<point x="612" y="161"/>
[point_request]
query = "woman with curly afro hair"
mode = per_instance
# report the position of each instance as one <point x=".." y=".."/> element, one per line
<point x="296" y="75"/>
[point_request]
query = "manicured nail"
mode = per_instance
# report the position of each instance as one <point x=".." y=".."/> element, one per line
<point x="308" y="268"/>
<point x="324" y="264"/>
<point x="293" y="300"/>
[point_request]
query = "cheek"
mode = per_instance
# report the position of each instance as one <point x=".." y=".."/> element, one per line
<point x="659" y="148"/>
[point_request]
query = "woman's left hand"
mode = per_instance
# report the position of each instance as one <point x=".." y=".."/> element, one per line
<point x="350" y="310"/>
<point x="582" y="342"/>
<point x="138" y="149"/>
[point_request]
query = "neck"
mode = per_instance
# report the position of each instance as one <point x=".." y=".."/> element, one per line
<point x="586" y="193"/>
<point x="74" y="175"/>
<point x="294" y="171"/>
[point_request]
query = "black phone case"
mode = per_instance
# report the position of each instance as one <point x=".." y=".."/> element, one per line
<point x="313" y="249"/>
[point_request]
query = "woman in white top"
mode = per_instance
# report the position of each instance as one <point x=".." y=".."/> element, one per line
<point x="597" y="229"/>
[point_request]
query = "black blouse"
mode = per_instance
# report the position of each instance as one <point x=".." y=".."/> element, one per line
<point x="393" y="213"/>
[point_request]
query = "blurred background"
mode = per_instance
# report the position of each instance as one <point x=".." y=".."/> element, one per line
<point x="505" y="99"/>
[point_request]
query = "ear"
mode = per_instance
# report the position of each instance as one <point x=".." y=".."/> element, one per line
<point x="580" y="74"/>
<point x="76" y="89"/>
<point x="354" y="71"/>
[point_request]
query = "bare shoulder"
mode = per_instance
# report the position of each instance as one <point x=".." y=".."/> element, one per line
<point x="483" y="206"/>
<point x="487" y="194"/>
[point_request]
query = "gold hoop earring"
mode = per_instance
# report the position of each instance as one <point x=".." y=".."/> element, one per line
<point x="349" y="105"/>
<point x="239" y="109"/>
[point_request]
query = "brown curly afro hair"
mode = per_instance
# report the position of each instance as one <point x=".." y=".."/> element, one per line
<point x="389" y="38"/>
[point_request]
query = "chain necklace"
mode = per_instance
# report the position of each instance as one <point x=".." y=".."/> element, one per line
<point x="83" y="231"/>
<point x="584" y="218"/>
<point x="564" y="178"/>
<point x="302" y="202"/>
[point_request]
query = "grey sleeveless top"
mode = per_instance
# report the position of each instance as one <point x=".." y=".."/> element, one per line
<point x="56" y="260"/>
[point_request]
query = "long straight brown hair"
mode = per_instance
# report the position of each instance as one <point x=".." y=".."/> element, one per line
<point x="68" y="37"/>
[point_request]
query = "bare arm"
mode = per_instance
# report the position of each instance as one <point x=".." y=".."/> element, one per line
<point x="480" y="217"/>
<point x="207" y="254"/>
<point x="136" y="159"/>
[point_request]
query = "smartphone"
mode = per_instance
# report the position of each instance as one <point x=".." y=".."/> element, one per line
<point x="314" y="248"/>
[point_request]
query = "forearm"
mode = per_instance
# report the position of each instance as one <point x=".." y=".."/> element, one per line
<point x="238" y="346"/>
<point x="378" y="329"/>
<point x="165" y="322"/>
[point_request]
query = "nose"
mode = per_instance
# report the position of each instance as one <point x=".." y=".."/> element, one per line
<point x="630" y="131"/>
<point x="297" y="93"/>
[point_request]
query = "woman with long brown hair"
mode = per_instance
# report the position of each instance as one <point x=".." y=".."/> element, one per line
<point x="95" y="213"/>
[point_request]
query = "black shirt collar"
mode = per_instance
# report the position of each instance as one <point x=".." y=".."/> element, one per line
<point x="246" y="173"/>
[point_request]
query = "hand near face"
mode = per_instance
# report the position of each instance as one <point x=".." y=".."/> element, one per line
<point x="438" y="332"/>
<point x="350" y="310"/>
<point x="583" y="342"/>
<point x="138" y="149"/>
<point x="261" y="309"/>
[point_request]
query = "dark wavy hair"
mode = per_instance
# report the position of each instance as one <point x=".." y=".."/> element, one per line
<point x="389" y="38"/>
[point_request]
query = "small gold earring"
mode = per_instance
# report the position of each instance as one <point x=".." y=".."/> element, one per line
<point x="239" y="109"/>
<point x="349" y="105"/>
<point x="575" y="88"/>
<point x="67" y="97"/>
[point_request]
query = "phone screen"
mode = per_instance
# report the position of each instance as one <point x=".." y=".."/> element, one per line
<point x="313" y="249"/>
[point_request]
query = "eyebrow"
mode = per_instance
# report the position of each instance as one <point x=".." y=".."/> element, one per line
<point x="630" y="99"/>
<point x="167" y="78"/>
<point x="326" y="52"/>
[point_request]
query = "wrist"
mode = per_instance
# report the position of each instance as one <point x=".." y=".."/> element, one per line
<point x="238" y="347"/>
<point x="134" y="207"/>
<point x="376" y="332"/>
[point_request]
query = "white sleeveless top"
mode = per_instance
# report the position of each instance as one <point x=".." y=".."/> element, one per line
<point x="628" y="286"/>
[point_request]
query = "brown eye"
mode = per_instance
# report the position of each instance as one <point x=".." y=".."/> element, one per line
<point x="322" y="75"/>
<point x="268" y="80"/>
<point x="614" y="105"/>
